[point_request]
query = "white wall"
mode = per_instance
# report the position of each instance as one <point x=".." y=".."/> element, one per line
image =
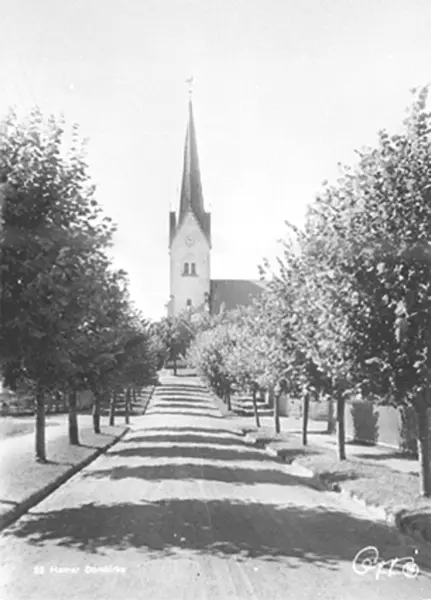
<point x="193" y="287"/>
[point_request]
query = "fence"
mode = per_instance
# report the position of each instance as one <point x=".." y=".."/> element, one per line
<point x="382" y="425"/>
<point x="366" y="422"/>
<point x="15" y="404"/>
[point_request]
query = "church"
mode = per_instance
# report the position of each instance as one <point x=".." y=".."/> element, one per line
<point x="191" y="286"/>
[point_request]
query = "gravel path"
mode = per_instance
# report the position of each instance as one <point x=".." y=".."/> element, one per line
<point x="182" y="508"/>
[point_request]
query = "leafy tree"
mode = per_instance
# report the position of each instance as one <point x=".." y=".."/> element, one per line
<point x="386" y="213"/>
<point x="51" y="226"/>
<point x="175" y="335"/>
<point x="208" y="355"/>
<point x="304" y="323"/>
<point x="101" y="337"/>
<point x="361" y="277"/>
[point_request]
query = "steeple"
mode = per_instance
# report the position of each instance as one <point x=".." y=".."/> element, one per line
<point x="191" y="188"/>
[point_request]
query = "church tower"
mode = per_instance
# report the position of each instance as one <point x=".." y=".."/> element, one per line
<point x="190" y="236"/>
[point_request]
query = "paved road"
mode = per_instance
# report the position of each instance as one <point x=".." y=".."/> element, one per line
<point x="182" y="508"/>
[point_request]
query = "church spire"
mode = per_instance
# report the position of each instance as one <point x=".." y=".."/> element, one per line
<point x="191" y="188"/>
<point x="191" y="200"/>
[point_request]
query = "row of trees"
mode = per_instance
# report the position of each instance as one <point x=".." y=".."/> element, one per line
<point x="174" y="335"/>
<point x="67" y="323"/>
<point x="347" y="310"/>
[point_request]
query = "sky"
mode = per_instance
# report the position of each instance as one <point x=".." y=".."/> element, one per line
<point x="283" y="91"/>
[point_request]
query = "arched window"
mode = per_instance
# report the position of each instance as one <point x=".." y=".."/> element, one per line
<point x="207" y="301"/>
<point x="188" y="303"/>
<point x="186" y="269"/>
<point x="193" y="269"/>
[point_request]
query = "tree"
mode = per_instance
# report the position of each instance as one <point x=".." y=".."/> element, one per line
<point x="51" y="224"/>
<point x="264" y="335"/>
<point x="175" y="335"/>
<point x="390" y="256"/>
<point x="208" y="354"/>
<point x="347" y="311"/>
<point x="310" y="322"/>
<point x="360" y="275"/>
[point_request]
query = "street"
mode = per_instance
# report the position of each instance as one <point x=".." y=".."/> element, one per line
<point x="183" y="508"/>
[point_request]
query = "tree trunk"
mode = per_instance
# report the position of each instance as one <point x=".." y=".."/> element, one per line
<point x="331" y="417"/>
<point x="73" y="419"/>
<point x="112" y="403"/>
<point x="228" y="402"/>
<point x="127" y="406"/>
<point x="175" y="365"/>
<point x="270" y="397"/>
<point x="424" y="446"/>
<point x="40" y="426"/>
<point x="276" y="398"/>
<point x="96" y="412"/>
<point x="57" y="401"/>
<point x="305" y="412"/>
<point x="256" y="412"/>
<point x="341" y="404"/>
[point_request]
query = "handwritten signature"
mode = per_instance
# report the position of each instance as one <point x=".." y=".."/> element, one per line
<point x="368" y="560"/>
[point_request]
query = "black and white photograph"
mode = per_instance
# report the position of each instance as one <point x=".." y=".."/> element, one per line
<point x="215" y="300"/>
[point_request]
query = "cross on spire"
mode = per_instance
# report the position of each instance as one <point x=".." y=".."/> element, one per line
<point x="189" y="82"/>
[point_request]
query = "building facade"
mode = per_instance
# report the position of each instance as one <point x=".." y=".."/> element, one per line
<point x="191" y="286"/>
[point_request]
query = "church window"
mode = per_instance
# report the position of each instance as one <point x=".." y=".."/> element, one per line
<point x="207" y="301"/>
<point x="193" y="269"/>
<point x="186" y="268"/>
<point x="188" y="303"/>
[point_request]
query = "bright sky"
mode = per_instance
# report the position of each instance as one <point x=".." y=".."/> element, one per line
<point x="284" y="89"/>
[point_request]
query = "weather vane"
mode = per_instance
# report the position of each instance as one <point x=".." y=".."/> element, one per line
<point x="189" y="81"/>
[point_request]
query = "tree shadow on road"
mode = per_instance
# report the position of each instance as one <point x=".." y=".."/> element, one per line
<point x="182" y="397"/>
<point x="190" y="438"/>
<point x="288" y="455"/>
<point x="182" y="389"/>
<point x="188" y="471"/>
<point x="180" y="430"/>
<point x="185" y="413"/>
<point x="239" y="453"/>
<point x="329" y="477"/>
<point x="220" y="459"/>
<point x="292" y="535"/>
<point x="398" y="455"/>
<point x="180" y="404"/>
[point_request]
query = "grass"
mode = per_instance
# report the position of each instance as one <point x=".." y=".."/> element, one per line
<point x="374" y="483"/>
<point x="11" y="427"/>
<point x="377" y="484"/>
<point x="21" y="476"/>
<point x="398" y="493"/>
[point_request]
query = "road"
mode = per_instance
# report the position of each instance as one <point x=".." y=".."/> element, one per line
<point x="182" y="508"/>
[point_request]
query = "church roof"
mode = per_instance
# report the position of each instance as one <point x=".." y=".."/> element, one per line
<point x="227" y="294"/>
<point x="191" y="188"/>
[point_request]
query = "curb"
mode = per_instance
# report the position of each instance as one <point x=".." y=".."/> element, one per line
<point x="396" y="519"/>
<point x="391" y="518"/>
<point x="411" y="530"/>
<point x="220" y="405"/>
<point x="24" y="506"/>
<point x="150" y="396"/>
